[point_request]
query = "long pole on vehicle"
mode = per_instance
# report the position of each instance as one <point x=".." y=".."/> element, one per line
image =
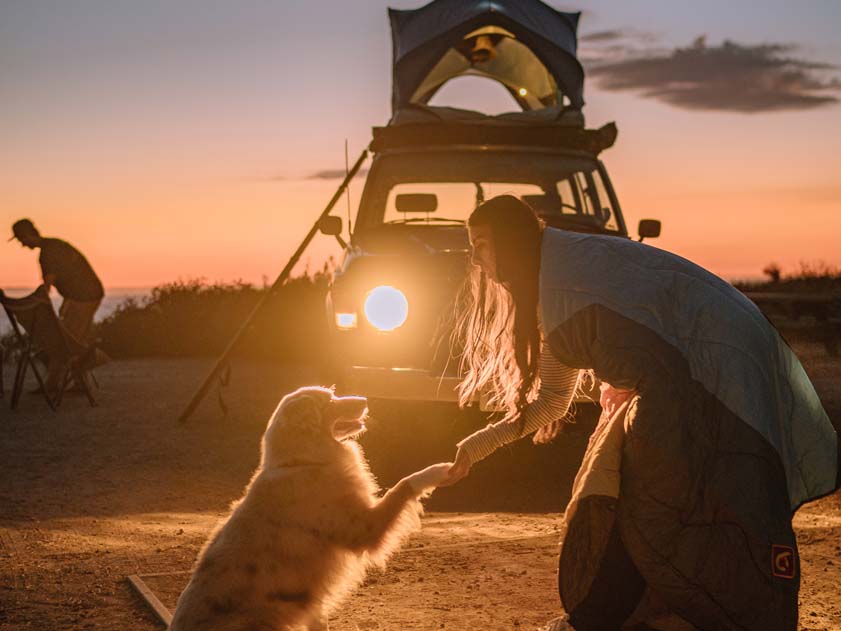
<point x="284" y="275"/>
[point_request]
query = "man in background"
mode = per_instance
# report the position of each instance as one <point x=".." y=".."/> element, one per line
<point x="66" y="269"/>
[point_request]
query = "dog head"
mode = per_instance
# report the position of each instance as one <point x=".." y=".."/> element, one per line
<point x="309" y="426"/>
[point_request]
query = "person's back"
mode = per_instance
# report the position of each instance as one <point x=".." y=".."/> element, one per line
<point x="66" y="269"/>
<point x="666" y="315"/>
<point x="725" y="432"/>
<point x="73" y="276"/>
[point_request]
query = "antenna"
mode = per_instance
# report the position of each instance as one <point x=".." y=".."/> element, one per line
<point x="279" y="281"/>
<point x="347" y="191"/>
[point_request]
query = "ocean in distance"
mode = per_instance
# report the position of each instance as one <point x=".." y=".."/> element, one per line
<point x="114" y="297"/>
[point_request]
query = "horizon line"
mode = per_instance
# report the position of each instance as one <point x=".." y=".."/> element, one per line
<point x="146" y="288"/>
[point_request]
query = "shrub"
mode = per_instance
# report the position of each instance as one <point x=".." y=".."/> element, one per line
<point x="811" y="278"/>
<point x="195" y="319"/>
<point x="773" y="272"/>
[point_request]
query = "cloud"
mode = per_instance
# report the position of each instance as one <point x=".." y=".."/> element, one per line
<point x="602" y="36"/>
<point x="730" y="77"/>
<point x="326" y="174"/>
<point x="333" y="174"/>
<point x="613" y="45"/>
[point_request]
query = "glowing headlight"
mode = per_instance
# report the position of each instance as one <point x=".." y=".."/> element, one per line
<point x="386" y="308"/>
<point x="346" y="321"/>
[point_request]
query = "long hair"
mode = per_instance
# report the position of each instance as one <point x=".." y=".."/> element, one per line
<point x="497" y="325"/>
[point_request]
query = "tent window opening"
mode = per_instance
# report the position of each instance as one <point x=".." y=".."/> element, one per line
<point x="479" y="94"/>
<point x="494" y="53"/>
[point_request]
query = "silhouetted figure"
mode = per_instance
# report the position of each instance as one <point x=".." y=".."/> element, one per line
<point x="66" y="269"/>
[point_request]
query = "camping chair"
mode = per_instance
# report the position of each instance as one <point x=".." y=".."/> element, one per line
<point x="2" y="366"/>
<point x="39" y="332"/>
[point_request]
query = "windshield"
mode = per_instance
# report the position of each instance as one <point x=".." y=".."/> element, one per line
<point x="567" y="192"/>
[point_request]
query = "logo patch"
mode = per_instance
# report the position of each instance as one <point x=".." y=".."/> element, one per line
<point x="783" y="561"/>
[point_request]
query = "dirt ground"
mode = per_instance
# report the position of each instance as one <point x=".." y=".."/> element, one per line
<point x="89" y="496"/>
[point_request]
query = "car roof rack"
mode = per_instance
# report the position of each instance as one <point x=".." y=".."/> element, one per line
<point x="449" y="134"/>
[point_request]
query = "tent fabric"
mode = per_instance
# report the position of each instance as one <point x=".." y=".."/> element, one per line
<point x="728" y="344"/>
<point x="552" y="115"/>
<point x="540" y="57"/>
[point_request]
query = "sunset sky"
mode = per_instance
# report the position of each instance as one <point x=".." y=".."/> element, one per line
<point x="185" y="139"/>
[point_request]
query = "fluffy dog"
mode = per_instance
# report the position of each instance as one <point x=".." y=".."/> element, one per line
<point x="308" y="527"/>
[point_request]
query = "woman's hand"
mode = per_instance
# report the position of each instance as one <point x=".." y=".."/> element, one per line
<point x="460" y="468"/>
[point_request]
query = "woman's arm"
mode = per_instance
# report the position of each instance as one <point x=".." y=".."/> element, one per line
<point x="557" y="387"/>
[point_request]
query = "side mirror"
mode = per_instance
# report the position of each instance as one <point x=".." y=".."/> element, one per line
<point x="649" y="228"/>
<point x="331" y="226"/>
<point x="416" y="202"/>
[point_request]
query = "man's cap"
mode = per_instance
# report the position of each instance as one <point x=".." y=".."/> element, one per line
<point x="22" y="226"/>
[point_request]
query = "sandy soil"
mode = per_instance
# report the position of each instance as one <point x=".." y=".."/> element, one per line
<point x="89" y="496"/>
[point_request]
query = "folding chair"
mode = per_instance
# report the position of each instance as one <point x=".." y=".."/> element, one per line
<point x="39" y="332"/>
<point x="2" y="366"/>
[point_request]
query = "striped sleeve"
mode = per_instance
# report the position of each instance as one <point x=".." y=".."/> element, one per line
<point x="557" y="387"/>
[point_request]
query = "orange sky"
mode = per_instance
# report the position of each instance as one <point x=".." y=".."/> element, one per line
<point x="197" y="165"/>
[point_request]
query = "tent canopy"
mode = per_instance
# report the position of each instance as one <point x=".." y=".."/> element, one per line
<point x="526" y="45"/>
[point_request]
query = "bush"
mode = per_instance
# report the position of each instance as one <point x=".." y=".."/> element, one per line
<point x="196" y="319"/>
<point x="810" y="278"/>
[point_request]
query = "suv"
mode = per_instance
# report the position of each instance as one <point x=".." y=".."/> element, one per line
<point x="391" y="301"/>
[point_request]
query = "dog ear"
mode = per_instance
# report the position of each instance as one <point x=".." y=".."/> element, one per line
<point x="303" y="411"/>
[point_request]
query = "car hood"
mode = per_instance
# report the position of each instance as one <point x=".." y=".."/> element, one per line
<point x="412" y="240"/>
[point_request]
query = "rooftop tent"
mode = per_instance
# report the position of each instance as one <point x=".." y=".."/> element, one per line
<point x="526" y="45"/>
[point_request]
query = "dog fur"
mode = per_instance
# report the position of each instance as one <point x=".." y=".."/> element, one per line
<point x="306" y="530"/>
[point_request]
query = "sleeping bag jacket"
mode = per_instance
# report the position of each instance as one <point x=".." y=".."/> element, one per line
<point x="724" y="440"/>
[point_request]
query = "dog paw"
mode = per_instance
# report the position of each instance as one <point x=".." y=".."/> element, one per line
<point x="429" y="478"/>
